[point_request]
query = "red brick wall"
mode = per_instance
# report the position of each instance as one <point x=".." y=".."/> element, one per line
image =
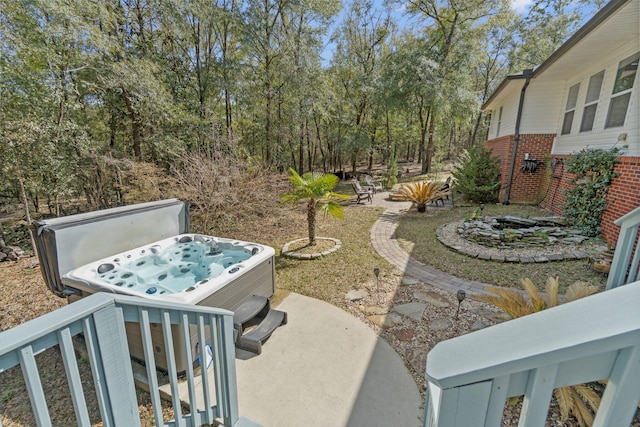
<point x="623" y="195"/>
<point x="547" y="185"/>
<point x="526" y="187"/>
<point x="559" y="182"/>
<point x="501" y="148"/>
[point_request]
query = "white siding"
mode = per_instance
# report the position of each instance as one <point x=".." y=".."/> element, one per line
<point x="600" y="137"/>
<point x="543" y="104"/>
<point x="509" y="112"/>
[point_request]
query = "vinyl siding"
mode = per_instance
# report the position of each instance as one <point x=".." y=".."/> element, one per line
<point x="509" y="113"/>
<point x="543" y="104"/>
<point x="600" y="137"/>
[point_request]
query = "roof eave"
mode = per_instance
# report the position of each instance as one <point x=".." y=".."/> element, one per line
<point x="505" y="82"/>
<point x="601" y="16"/>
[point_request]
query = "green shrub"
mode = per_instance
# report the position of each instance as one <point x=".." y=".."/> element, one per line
<point x="477" y="175"/>
<point x="390" y="177"/>
<point x="586" y="201"/>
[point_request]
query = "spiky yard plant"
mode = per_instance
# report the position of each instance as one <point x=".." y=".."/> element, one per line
<point x="579" y="400"/>
<point x="420" y="193"/>
<point x="317" y="190"/>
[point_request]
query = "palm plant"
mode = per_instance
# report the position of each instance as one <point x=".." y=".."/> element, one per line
<point x="317" y="190"/>
<point x="420" y="193"/>
<point x="580" y="399"/>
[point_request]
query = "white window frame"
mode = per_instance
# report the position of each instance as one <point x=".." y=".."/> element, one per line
<point x="627" y="92"/>
<point x="570" y="109"/>
<point x="591" y="101"/>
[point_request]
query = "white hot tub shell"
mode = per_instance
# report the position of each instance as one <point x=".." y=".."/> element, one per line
<point x="145" y="250"/>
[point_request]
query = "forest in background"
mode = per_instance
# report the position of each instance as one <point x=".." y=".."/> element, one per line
<point x="99" y="99"/>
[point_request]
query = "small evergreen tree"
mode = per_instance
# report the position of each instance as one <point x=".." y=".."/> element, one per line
<point x="477" y="175"/>
<point x="391" y="174"/>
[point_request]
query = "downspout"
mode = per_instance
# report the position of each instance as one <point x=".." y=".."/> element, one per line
<point x="516" y="138"/>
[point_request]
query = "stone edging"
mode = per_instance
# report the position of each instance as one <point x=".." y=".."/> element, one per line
<point x="475" y="251"/>
<point x="293" y="254"/>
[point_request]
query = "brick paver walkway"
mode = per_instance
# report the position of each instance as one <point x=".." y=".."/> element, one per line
<point x="384" y="242"/>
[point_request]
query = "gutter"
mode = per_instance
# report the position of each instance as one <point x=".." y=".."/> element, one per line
<point x="528" y="74"/>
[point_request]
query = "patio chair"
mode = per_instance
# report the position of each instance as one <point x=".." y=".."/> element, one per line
<point x="373" y="184"/>
<point x="363" y="194"/>
<point x="445" y="190"/>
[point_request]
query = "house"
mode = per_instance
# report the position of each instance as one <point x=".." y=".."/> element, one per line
<point x="586" y="94"/>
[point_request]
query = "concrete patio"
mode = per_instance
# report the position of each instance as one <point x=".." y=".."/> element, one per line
<point x="326" y="367"/>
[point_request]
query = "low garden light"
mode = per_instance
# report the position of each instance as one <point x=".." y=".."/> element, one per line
<point x="461" y="295"/>
<point x="376" y="271"/>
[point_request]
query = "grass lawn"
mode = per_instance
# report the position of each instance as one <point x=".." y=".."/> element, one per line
<point x="416" y="235"/>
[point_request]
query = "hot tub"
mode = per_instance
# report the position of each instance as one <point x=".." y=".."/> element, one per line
<point x="146" y="250"/>
<point x="187" y="268"/>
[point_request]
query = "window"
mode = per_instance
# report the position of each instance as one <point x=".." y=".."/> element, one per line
<point x="570" y="109"/>
<point x="499" y="122"/>
<point x="591" y="103"/>
<point x="621" y="94"/>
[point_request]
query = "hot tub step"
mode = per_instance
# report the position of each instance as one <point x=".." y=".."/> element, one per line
<point x="254" y="306"/>
<point x="254" y="339"/>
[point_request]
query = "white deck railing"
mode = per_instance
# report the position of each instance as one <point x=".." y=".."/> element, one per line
<point x="101" y="319"/>
<point x="625" y="267"/>
<point x="598" y="337"/>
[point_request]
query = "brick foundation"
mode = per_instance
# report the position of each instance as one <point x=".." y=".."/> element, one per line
<point x="547" y="185"/>
<point x="623" y="195"/>
<point x="526" y="187"/>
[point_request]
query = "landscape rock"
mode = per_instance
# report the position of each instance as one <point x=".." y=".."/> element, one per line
<point x="478" y="324"/>
<point x="417" y="358"/>
<point x="404" y="334"/>
<point x="513" y="232"/>
<point x="374" y="309"/>
<point x="10" y="253"/>
<point x="409" y="281"/>
<point x="413" y="310"/>
<point x="440" y="324"/>
<point x="356" y="295"/>
<point x="386" y="320"/>
<point x="432" y="298"/>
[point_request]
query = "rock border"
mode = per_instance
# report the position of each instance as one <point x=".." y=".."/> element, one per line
<point x="293" y="254"/>
<point x="474" y="250"/>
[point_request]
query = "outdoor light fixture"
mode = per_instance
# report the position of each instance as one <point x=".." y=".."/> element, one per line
<point x="376" y="271"/>
<point x="461" y="295"/>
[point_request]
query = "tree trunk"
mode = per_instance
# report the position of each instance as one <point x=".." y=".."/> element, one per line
<point x="311" y="221"/>
<point x="301" y="150"/>
<point x="475" y="129"/>
<point x="27" y="214"/>
<point x="387" y="151"/>
<point x="322" y="153"/>
<point x="135" y="125"/>
<point x="428" y="155"/>
<point x="311" y="150"/>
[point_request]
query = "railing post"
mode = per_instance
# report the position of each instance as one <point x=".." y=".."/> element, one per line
<point x="620" y="396"/>
<point x="623" y="269"/>
<point x="34" y="386"/>
<point x="230" y="383"/>
<point x="538" y="395"/>
<point x="118" y="374"/>
<point x="460" y="406"/>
